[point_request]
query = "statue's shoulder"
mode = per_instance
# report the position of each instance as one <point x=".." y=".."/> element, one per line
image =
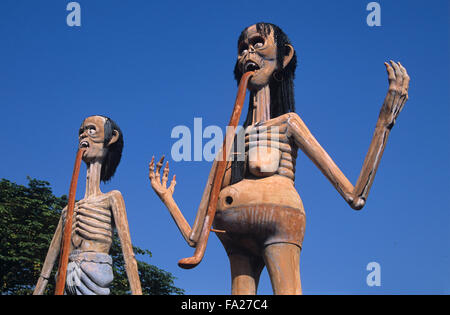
<point x="283" y="119"/>
<point x="286" y="117"/>
<point x="292" y="115"/>
<point x="114" y="194"/>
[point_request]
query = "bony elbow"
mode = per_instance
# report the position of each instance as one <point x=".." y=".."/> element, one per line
<point x="358" y="203"/>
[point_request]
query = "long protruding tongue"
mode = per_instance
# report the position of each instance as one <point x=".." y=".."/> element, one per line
<point x="191" y="262"/>
<point x="65" y="244"/>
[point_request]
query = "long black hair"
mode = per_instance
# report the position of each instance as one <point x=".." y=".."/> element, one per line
<point x="114" y="153"/>
<point x="281" y="87"/>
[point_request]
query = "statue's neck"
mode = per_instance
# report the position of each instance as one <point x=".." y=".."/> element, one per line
<point x="261" y="105"/>
<point x="93" y="179"/>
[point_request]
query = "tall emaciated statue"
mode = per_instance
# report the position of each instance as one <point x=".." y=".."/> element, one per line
<point x="258" y="215"/>
<point x="89" y="270"/>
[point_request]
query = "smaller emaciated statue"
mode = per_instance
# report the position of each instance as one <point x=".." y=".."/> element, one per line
<point x="89" y="270"/>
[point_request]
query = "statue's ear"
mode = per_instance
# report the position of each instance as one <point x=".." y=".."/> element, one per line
<point x="288" y="55"/>
<point x="114" y="138"/>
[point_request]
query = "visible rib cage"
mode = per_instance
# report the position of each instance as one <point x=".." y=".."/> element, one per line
<point x="91" y="221"/>
<point x="275" y="137"/>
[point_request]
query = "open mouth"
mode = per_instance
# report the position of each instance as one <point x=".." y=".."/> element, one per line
<point x="251" y="66"/>
<point x="84" y="144"/>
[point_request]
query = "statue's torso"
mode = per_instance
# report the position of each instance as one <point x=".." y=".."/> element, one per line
<point x="264" y="207"/>
<point x="92" y="225"/>
<point x="270" y="157"/>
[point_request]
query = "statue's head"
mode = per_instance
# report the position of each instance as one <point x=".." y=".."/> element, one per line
<point x="103" y="141"/>
<point x="266" y="49"/>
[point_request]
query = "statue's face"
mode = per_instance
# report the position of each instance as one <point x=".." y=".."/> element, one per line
<point x="92" y="137"/>
<point x="258" y="53"/>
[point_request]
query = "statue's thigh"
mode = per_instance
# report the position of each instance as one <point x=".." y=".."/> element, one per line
<point x="283" y="265"/>
<point x="245" y="273"/>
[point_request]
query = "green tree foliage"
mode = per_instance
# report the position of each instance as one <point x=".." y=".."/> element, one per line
<point x="28" y="220"/>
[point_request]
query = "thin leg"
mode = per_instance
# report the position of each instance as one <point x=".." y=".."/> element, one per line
<point x="245" y="272"/>
<point x="283" y="264"/>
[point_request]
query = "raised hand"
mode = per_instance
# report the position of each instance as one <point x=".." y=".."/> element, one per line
<point x="160" y="185"/>
<point x="397" y="94"/>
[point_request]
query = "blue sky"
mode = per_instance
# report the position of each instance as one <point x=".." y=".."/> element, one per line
<point x="152" y="66"/>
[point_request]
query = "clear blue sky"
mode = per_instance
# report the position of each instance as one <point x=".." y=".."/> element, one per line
<point x="152" y="65"/>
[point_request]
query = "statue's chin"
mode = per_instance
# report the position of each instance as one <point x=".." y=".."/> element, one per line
<point x="258" y="82"/>
<point x="261" y="78"/>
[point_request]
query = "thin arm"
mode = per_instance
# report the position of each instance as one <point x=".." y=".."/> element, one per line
<point x="121" y="222"/>
<point x="311" y="147"/>
<point x="203" y="207"/>
<point x="393" y="104"/>
<point x="50" y="259"/>
<point x="177" y="215"/>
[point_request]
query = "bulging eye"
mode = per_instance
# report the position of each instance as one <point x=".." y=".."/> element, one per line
<point x="91" y="131"/>
<point x="258" y="44"/>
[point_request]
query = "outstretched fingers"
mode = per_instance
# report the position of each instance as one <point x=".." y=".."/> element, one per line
<point x="398" y="71"/>
<point x="159" y="183"/>
<point x="158" y="167"/>
<point x="390" y="71"/>
<point x="165" y="175"/>
<point x="406" y="79"/>
<point x="405" y="87"/>
<point x="151" y="169"/>
<point x="172" y="184"/>
<point x="396" y="84"/>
